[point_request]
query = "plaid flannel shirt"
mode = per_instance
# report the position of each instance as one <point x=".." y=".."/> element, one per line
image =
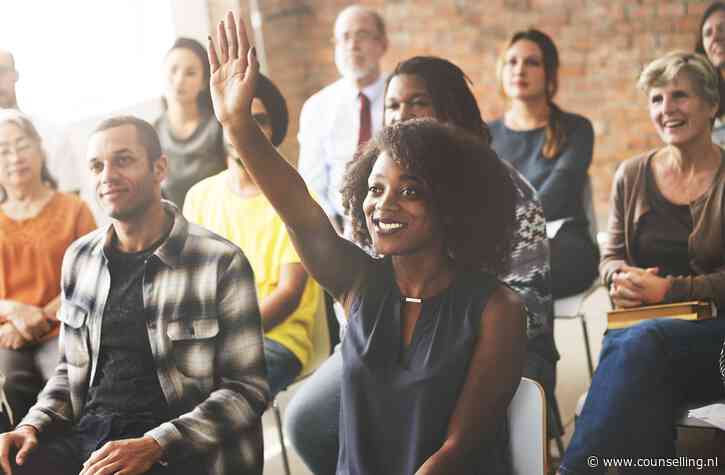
<point x="205" y="334"/>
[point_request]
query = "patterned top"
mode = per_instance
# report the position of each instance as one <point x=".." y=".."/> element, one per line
<point x="529" y="269"/>
<point x="205" y="334"/>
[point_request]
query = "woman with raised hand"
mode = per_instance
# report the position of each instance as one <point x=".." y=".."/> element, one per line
<point x="434" y="347"/>
<point x="37" y="224"/>
<point x="191" y="138"/>
<point x="552" y="149"/>
<point x="666" y="244"/>
<point x="431" y="87"/>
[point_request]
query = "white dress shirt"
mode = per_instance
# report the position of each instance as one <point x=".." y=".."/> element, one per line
<point x="329" y="125"/>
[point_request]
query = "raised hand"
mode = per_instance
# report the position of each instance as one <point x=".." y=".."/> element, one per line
<point x="233" y="73"/>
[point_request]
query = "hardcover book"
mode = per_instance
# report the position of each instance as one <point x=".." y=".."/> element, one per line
<point x="693" y="310"/>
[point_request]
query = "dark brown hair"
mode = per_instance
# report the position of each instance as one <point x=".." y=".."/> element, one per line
<point x="146" y="133"/>
<point x="203" y="100"/>
<point x="471" y="190"/>
<point x="700" y="48"/>
<point x="555" y="135"/>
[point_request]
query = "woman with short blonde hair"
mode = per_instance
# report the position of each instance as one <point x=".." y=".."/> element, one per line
<point x="666" y="244"/>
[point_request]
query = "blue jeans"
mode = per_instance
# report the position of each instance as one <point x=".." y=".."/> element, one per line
<point x="282" y="366"/>
<point x="62" y="450"/>
<point x="645" y="373"/>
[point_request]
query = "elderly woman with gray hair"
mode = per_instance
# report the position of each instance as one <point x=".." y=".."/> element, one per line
<point x="666" y="244"/>
<point x="37" y="223"/>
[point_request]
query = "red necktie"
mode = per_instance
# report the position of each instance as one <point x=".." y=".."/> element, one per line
<point x="366" y="126"/>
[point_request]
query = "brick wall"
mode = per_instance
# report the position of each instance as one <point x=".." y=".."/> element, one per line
<point x="602" y="44"/>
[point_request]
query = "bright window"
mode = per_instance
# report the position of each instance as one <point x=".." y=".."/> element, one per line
<point x="83" y="58"/>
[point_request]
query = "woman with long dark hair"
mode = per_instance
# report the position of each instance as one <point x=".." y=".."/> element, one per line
<point x="552" y="149"/>
<point x="434" y="347"/>
<point x="190" y="135"/>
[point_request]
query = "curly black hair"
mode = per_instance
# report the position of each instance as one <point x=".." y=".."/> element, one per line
<point x="471" y="190"/>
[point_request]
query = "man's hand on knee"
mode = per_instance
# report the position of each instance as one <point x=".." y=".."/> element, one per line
<point x="24" y="438"/>
<point x="124" y="457"/>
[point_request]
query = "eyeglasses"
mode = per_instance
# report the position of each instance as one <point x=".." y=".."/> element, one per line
<point x="359" y="36"/>
<point x="17" y="148"/>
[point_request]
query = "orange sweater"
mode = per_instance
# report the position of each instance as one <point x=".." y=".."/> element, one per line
<point x="31" y="250"/>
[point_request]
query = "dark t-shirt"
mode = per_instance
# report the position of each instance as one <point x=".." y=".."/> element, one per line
<point x="126" y="382"/>
<point x="663" y="234"/>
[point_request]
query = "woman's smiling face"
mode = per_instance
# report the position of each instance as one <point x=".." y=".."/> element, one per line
<point x="398" y="210"/>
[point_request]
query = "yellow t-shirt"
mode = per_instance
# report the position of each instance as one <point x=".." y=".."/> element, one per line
<point x="254" y="226"/>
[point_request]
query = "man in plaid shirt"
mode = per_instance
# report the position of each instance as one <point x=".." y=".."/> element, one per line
<point x="162" y="367"/>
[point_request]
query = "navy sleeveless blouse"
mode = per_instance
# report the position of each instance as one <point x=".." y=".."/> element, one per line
<point x="396" y="401"/>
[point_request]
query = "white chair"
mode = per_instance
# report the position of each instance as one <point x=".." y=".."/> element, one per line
<point x="320" y="352"/>
<point x="570" y="308"/>
<point x="527" y="429"/>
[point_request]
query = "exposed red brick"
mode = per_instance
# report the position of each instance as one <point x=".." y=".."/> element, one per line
<point x="603" y="45"/>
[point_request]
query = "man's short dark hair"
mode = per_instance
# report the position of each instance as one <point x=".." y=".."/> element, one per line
<point x="147" y="135"/>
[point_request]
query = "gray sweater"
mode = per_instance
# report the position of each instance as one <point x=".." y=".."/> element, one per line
<point x="190" y="160"/>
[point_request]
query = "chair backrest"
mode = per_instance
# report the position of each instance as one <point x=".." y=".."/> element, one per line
<point x="320" y="339"/>
<point x="527" y="429"/>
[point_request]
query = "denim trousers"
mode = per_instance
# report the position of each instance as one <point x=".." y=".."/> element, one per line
<point x="26" y="370"/>
<point x="282" y="366"/>
<point x="645" y="374"/>
<point x="63" y="450"/>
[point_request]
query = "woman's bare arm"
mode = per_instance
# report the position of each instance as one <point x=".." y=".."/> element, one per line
<point x="333" y="261"/>
<point x="493" y="376"/>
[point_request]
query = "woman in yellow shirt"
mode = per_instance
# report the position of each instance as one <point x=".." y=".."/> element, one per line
<point x="231" y="204"/>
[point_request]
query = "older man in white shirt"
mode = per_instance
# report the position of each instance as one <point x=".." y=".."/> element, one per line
<point x="59" y="157"/>
<point x="347" y="112"/>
